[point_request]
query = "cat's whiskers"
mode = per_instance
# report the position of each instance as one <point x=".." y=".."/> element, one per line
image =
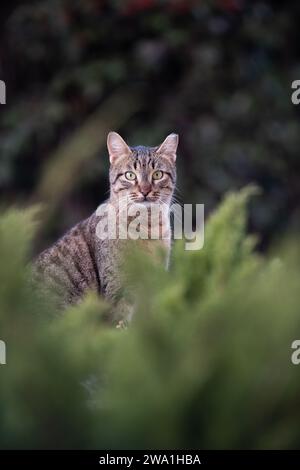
<point x="176" y="217"/>
<point x="176" y="200"/>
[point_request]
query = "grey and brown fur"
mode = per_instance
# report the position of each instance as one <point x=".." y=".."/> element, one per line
<point x="80" y="261"/>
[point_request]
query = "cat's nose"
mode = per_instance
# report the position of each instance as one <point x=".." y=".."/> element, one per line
<point x="145" y="189"/>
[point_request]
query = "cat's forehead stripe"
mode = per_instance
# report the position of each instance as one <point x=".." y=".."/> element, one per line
<point x="147" y="156"/>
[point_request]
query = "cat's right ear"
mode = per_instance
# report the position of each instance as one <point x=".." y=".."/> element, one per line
<point x="117" y="147"/>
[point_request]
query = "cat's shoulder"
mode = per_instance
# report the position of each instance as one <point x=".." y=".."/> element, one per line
<point x="81" y="233"/>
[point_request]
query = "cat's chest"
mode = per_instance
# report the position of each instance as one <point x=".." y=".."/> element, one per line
<point x="149" y="235"/>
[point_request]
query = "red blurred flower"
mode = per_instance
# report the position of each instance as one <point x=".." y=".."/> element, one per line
<point x="181" y="6"/>
<point x="231" y="5"/>
<point x="135" y="6"/>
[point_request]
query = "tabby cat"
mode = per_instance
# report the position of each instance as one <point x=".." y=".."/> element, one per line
<point x="81" y="260"/>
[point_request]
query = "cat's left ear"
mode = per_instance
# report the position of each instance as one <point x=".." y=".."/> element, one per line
<point x="169" y="146"/>
<point x="117" y="147"/>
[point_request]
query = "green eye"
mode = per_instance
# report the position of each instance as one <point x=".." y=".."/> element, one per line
<point x="157" y="175"/>
<point x="129" y="175"/>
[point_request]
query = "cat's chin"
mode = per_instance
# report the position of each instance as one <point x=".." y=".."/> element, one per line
<point x="143" y="203"/>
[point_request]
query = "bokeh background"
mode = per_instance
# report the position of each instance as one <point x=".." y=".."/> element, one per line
<point x="217" y="72"/>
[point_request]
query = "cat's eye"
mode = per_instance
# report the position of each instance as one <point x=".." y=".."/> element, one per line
<point x="129" y="175"/>
<point x="157" y="175"/>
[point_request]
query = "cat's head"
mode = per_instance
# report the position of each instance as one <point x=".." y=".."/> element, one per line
<point x="142" y="174"/>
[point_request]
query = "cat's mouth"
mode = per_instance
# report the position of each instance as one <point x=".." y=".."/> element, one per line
<point x="144" y="200"/>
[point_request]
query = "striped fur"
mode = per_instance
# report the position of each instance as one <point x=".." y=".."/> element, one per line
<point x="80" y="261"/>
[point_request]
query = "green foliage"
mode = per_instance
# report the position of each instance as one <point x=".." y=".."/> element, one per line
<point x="204" y="364"/>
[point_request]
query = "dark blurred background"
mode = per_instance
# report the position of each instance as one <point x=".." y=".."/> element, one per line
<point x="217" y="72"/>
